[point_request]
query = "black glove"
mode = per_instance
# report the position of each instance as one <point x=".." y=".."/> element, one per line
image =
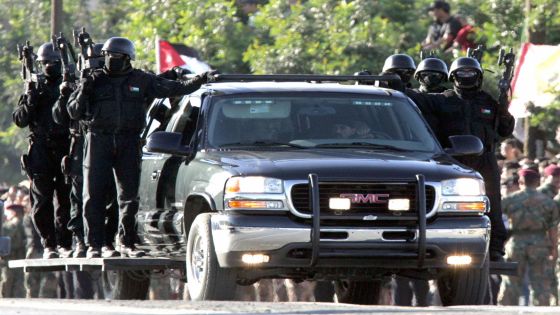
<point x="32" y="94"/>
<point x="206" y="77"/>
<point x="86" y="85"/>
<point x="66" y="88"/>
<point x="181" y="72"/>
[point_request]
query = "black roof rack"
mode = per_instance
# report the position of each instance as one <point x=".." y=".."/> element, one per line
<point x="303" y="78"/>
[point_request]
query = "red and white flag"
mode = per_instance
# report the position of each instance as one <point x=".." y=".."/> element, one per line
<point x="537" y="78"/>
<point x="170" y="55"/>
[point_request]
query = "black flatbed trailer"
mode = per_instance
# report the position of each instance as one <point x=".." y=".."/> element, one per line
<point x="102" y="264"/>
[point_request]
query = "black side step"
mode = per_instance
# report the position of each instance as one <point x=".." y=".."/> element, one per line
<point x="503" y="268"/>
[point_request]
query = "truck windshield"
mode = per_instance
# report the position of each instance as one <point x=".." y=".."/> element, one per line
<point x="307" y="120"/>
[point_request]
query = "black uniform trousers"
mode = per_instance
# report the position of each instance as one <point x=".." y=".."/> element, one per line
<point x="487" y="166"/>
<point x="108" y="156"/>
<point x="47" y="182"/>
<point x="76" y="224"/>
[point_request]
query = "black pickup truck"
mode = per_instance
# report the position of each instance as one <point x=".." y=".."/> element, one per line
<point x="310" y="178"/>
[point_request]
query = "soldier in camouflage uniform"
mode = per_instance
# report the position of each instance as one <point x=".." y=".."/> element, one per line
<point x="37" y="284"/>
<point x="534" y="220"/>
<point x="550" y="188"/>
<point x="11" y="279"/>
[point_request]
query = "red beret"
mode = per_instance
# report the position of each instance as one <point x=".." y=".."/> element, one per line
<point x="552" y="170"/>
<point x="15" y="207"/>
<point x="529" y="173"/>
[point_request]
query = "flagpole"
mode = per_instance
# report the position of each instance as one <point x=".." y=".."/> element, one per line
<point x="158" y="70"/>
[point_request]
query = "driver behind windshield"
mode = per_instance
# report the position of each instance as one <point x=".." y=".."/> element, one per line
<point x="344" y="130"/>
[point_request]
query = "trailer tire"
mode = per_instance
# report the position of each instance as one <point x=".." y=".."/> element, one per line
<point x="131" y="285"/>
<point x="206" y="280"/>
<point x="464" y="286"/>
<point x="358" y="292"/>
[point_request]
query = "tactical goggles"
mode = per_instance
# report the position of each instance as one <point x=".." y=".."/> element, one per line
<point x="49" y="62"/>
<point x="113" y="54"/>
<point x="466" y="73"/>
<point x="430" y="74"/>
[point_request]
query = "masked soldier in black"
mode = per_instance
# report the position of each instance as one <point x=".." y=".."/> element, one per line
<point x="110" y="104"/>
<point x="431" y="74"/>
<point x="467" y="110"/>
<point x="72" y="168"/>
<point x="402" y="65"/>
<point x="48" y="144"/>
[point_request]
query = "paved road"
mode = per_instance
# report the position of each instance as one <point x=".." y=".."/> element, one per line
<point x="67" y="307"/>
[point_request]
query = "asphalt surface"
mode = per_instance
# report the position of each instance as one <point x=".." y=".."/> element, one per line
<point x="67" y="307"/>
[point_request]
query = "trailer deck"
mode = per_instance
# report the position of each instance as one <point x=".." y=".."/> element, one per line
<point x="103" y="264"/>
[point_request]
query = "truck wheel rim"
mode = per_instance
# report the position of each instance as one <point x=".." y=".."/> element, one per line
<point x="198" y="259"/>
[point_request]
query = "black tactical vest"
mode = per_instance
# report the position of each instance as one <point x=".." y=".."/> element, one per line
<point x="473" y="115"/>
<point x="117" y="104"/>
<point x="41" y="122"/>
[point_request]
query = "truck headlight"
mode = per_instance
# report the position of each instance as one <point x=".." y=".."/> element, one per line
<point x="254" y="185"/>
<point x="463" y="187"/>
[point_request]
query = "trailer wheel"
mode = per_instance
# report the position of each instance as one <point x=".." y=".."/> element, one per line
<point x="206" y="280"/>
<point x="127" y="284"/>
<point x="324" y="291"/>
<point x="464" y="286"/>
<point x="358" y="292"/>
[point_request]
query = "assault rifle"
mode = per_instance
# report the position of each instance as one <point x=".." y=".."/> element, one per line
<point x="88" y="59"/>
<point x="507" y="60"/>
<point x="476" y="53"/>
<point x="504" y="85"/>
<point x="28" y="72"/>
<point x="65" y="49"/>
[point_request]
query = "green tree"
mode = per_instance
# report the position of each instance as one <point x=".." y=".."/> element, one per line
<point x="212" y="27"/>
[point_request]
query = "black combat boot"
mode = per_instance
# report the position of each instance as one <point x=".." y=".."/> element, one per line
<point x="81" y="248"/>
<point x="93" y="252"/>
<point x="109" y="251"/>
<point x="131" y="251"/>
<point x="50" y="252"/>
<point x="64" y="252"/>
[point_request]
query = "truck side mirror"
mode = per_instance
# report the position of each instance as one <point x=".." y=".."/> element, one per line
<point x="465" y="145"/>
<point x="167" y="142"/>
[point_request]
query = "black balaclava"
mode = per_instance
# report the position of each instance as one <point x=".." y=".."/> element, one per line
<point x="117" y="65"/>
<point x="53" y="70"/>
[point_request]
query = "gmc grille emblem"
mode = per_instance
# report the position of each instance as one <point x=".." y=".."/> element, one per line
<point x="367" y="198"/>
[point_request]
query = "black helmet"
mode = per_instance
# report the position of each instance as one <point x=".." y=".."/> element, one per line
<point x="120" y="45"/>
<point x="363" y="72"/>
<point x="466" y="72"/>
<point x="97" y="50"/>
<point x="399" y="61"/>
<point x="46" y="52"/>
<point x="465" y="63"/>
<point x="433" y="65"/>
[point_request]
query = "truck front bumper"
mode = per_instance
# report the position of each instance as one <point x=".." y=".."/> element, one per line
<point x="287" y="244"/>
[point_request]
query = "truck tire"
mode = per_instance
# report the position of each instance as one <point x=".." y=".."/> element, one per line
<point x="130" y="284"/>
<point x="358" y="292"/>
<point x="464" y="286"/>
<point x="206" y="280"/>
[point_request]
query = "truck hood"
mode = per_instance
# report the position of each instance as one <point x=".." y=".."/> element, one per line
<point x="338" y="164"/>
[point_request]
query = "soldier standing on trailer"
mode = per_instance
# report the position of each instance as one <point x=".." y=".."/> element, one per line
<point x="48" y="143"/>
<point x="110" y="104"/>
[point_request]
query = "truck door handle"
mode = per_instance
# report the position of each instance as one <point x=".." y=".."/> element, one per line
<point x="155" y="175"/>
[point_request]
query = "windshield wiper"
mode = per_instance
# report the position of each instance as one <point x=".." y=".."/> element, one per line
<point x="360" y="144"/>
<point x="263" y="143"/>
